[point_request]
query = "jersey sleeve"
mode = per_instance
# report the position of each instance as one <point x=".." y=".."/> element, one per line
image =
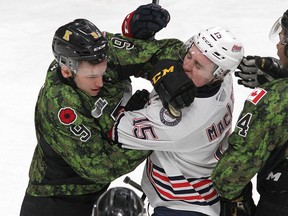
<point x="134" y="57"/>
<point x="152" y="128"/>
<point x="257" y="133"/>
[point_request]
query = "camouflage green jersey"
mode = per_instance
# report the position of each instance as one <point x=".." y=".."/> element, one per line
<point x="73" y="155"/>
<point x="258" y="141"/>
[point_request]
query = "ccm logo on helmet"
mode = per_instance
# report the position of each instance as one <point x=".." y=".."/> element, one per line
<point x="162" y="73"/>
<point x="207" y="42"/>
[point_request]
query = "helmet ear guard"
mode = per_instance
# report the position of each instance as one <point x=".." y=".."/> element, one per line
<point x="70" y="63"/>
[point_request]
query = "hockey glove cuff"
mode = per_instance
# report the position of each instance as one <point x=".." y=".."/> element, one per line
<point x="271" y="67"/>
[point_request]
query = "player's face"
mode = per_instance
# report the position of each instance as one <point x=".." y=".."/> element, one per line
<point x="281" y="49"/>
<point x="89" y="77"/>
<point x="198" y="67"/>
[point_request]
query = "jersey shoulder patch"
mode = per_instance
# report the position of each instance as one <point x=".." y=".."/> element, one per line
<point x="168" y="119"/>
<point x="256" y="95"/>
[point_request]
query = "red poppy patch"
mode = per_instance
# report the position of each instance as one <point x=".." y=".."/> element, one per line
<point x="67" y="115"/>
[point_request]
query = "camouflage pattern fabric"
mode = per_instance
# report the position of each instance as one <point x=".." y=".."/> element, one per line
<point x="260" y="131"/>
<point x="73" y="155"/>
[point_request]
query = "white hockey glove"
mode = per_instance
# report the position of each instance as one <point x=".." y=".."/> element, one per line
<point x="256" y="70"/>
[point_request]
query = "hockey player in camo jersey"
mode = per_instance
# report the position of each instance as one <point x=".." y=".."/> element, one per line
<point x="74" y="163"/>
<point x="259" y="143"/>
<point x="185" y="148"/>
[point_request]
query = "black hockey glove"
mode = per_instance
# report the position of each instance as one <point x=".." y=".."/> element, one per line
<point x="137" y="100"/>
<point x="145" y="21"/>
<point x="176" y="90"/>
<point x="256" y="70"/>
<point x="242" y="206"/>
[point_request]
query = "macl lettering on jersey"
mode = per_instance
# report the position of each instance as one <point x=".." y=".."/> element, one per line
<point x="218" y="128"/>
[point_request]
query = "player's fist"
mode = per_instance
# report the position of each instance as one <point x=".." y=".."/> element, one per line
<point x="255" y="70"/>
<point x="137" y="100"/>
<point x="145" y="21"/>
<point x="176" y="90"/>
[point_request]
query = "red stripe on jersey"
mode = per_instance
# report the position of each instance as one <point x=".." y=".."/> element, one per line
<point x="186" y="191"/>
<point x="166" y="179"/>
<point x="202" y="183"/>
<point x="179" y="197"/>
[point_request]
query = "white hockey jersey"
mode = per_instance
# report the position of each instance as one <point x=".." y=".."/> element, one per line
<point x="177" y="173"/>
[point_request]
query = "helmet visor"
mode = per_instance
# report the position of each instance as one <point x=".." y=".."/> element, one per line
<point x="185" y="48"/>
<point x="188" y="50"/>
<point x="275" y="31"/>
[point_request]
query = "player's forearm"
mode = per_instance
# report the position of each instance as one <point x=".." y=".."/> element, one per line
<point x="232" y="173"/>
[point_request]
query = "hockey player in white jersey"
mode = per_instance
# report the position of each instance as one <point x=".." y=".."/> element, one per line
<point x="176" y="178"/>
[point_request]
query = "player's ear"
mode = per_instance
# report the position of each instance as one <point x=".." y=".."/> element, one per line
<point x="66" y="72"/>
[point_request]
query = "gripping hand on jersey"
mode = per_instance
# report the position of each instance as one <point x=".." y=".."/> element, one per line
<point x="137" y="100"/>
<point x="145" y="21"/>
<point x="241" y="206"/>
<point x="175" y="89"/>
<point x="255" y="71"/>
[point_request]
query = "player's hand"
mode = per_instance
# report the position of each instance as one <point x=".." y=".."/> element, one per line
<point x="145" y="21"/>
<point x="255" y="71"/>
<point x="242" y="206"/>
<point x="176" y="90"/>
<point x="137" y="100"/>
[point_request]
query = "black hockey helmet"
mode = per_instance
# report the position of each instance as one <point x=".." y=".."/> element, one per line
<point x="119" y="201"/>
<point x="79" y="40"/>
<point x="284" y="22"/>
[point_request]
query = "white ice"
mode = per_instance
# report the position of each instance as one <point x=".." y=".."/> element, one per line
<point x="26" y="32"/>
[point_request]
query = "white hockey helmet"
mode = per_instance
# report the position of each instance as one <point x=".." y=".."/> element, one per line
<point x="221" y="47"/>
